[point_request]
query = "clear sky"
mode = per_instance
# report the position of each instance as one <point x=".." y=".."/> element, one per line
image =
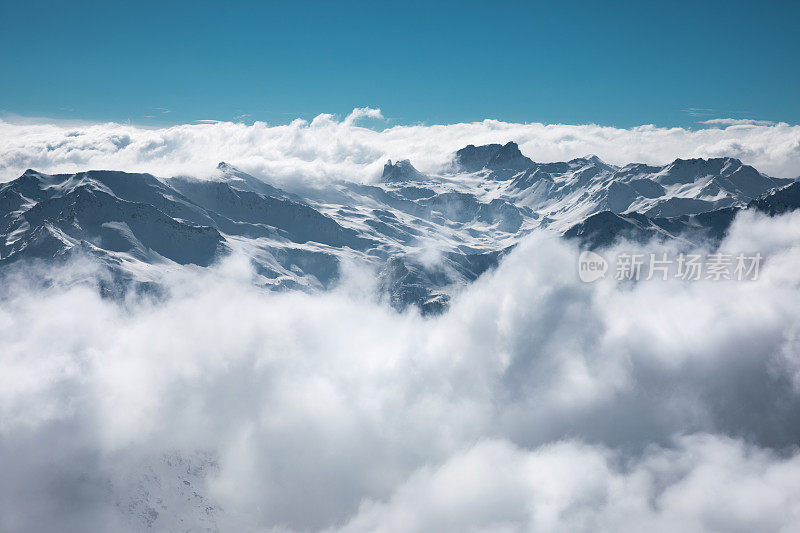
<point x="671" y="63"/>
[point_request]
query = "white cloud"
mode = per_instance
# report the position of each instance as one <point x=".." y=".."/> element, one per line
<point x="362" y="113"/>
<point x="536" y="402"/>
<point x="327" y="148"/>
<point x="698" y="111"/>
<point x="737" y="122"/>
<point x="704" y="483"/>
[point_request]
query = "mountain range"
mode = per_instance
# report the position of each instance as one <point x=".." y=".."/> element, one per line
<point x="425" y="235"/>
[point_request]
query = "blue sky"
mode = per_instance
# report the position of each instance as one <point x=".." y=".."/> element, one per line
<point x="604" y="62"/>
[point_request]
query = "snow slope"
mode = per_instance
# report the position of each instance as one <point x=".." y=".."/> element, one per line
<point x="424" y="235"/>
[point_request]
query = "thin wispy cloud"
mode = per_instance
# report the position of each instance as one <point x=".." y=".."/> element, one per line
<point x="698" y="111"/>
<point x="737" y="122"/>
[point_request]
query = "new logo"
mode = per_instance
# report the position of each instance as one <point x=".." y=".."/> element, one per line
<point x="591" y="266"/>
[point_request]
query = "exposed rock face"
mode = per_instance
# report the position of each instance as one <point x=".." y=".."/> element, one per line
<point x="400" y="171"/>
<point x="502" y="160"/>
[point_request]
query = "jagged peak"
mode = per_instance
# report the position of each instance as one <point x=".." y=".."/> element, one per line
<point x="492" y="156"/>
<point x="402" y="170"/>
<point x="510" y="149"/>
<point x="591" y="158"/>
<point x="696" y="161"/>
<point x="399" y="163"/>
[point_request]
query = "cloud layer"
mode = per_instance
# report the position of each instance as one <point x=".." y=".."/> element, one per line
<point x="536" y="403"/>
<point x="329" y="148"/>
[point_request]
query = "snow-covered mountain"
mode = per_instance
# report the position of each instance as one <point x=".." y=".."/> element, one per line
<point x="425" y="235"/>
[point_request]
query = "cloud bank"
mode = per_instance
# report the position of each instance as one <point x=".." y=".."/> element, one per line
<point x="329" y="148"/>
<point x="536" y="403"/>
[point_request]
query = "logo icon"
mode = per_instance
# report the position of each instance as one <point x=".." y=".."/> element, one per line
<point x="591" y="266"/>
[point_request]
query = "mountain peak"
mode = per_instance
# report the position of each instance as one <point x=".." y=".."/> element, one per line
<point x="508" y="152"/>
<point x="591" y="158"/>
<point x="492" y="156"/>
<point x="699" y="161"/>
<point x="400" y="171"/>
<point x="229" y="170"/>
<point x="690" y="170"/>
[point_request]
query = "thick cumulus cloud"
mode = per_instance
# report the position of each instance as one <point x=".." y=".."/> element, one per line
<point x="704" y="483"/>
<point x="535" y="403"/>
<point x="329" y="148"/>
